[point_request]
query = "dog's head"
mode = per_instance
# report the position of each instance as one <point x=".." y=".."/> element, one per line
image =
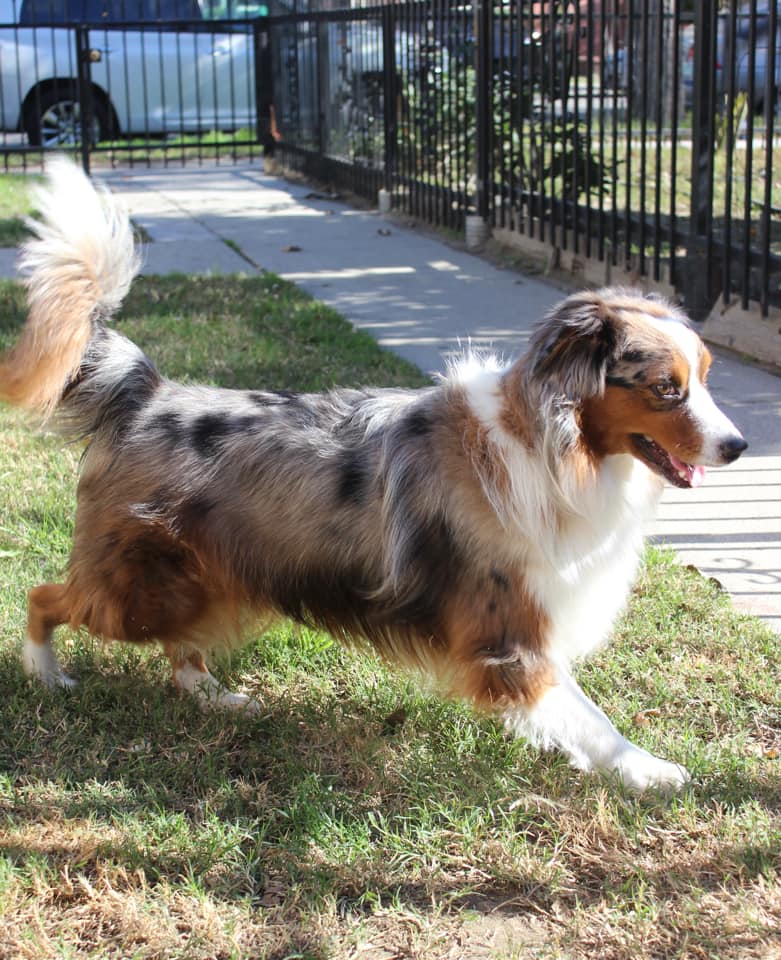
<point x="632" y="374"/>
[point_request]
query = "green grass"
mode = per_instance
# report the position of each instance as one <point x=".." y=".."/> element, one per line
<point x="15" y="203"/>
<point x="359" y="816"/>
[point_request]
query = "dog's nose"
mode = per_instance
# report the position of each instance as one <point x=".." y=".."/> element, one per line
<point x="732" y="448"/>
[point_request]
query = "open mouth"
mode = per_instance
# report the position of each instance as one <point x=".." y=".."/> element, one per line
<point x="675" y="471"/>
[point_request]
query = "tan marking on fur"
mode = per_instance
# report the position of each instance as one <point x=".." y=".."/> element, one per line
<point x="179" y="655"/>
<point x="130" y="580"/>
<point x="508" y="620"/>
<point x="515" y="416"/>
<point x="609" y="421"/>
<point x="46" y="609"/>
<point x="706" y="359"/>
<point x="469" y="459"/>
<point x="680" y="372"/>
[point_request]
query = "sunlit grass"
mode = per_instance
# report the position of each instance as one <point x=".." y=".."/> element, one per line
<point x="359" y="814"/>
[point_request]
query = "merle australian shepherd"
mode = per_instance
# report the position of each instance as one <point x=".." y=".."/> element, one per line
<point x="485" y="529"/>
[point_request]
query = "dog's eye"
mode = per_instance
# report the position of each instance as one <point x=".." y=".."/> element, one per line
<point x="666" y="390"/>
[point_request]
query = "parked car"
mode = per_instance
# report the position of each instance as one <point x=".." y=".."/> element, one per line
<point x="741" y="45"/>
<point x="157" y="67"/>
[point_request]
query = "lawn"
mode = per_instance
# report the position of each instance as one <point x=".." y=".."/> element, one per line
<point x="359" y="816"/>
<point x="15" y="204"/>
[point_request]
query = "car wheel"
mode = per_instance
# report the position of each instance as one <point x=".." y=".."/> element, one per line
<point x="53" y="119"/>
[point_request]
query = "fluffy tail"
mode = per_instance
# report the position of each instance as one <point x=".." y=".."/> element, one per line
<point x="79" y="265"/>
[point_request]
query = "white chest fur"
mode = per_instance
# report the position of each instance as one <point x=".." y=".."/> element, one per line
<point x="577" y="543"/>
<point x="582" y="572"/>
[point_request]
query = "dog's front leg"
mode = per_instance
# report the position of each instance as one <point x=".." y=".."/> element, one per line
<point x="564" y="718"/>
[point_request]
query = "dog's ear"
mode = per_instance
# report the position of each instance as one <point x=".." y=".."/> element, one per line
<point x="571" y="350"/>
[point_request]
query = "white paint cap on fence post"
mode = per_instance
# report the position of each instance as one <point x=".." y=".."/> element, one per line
<point x="477" y="231"/>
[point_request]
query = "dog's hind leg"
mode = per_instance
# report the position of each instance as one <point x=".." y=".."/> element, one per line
<point x="47" y="609"/>
<point x="191" y="674"/>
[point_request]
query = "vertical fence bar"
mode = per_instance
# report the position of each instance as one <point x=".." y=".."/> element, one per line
<point x="602" y="125"/>
<point x="615" y="34"/>
<point x="264" y="83"/>
<point x="547" y="86"/>
<point x="573" y="218"/>
<point x="674" y="128"/>
<point x="659" y="94"/>
<point x="83" y="65"/>
<point x="730" y="27"/>
<point x="697" y="279"/>
<point x="749" y="169"/>
<point x="585" y="146"/>
<point x="483" y="32"/>
<point x="389" y="85"/>
<point x="770" y="96"/>
<point x="428" y="96"/>
<point x="645" y="78"/>
<point x="629" y="140"/>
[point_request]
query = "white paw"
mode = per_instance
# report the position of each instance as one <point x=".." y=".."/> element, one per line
<point x="238" y="702"/>
<point x="210" y="693"/>
<point x="640" y="771"/>
<point x="41" y="664"/>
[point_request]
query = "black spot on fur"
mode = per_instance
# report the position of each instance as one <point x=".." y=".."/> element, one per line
<point x="118" y="406"/>
<point x="434" y="562"/>
<point x="321" y="595"/>
<point x="416" y="424"/>
<point x="193" y="513"/>
<point x="499" y="580"/>
<point x="210" y="430"/>
<point x="168" y="425"/>
<point x="623" y="382"/>
<point x="345" y="599"/>
<point x="636" y="356"/>
<point x="353" y="479"/>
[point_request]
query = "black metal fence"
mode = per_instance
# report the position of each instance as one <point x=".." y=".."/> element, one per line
<point x="637" y="132"/>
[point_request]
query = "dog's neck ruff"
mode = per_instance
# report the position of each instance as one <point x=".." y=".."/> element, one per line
<point x="576" y="498"/>
<point x="578" y="533"/>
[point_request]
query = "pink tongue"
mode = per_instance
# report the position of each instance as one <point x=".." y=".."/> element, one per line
<point x="696" y="475"/>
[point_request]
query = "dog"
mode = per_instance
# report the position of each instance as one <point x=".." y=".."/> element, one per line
<point x="485" y="529"/>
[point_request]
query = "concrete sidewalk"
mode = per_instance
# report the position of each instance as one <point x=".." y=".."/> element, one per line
<point x="422" y="298"/>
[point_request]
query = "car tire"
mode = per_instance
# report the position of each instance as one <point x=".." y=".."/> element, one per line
<point x="52" y="118"/>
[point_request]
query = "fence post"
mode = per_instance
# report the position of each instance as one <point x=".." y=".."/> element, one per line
<point x="389" y="90"/>
<point x="84" y="63"/>
<point x="264" y="80"/>
<point x="477" y="225"/>
<point x="697" y="277"/>
<point x="323" y="87"/>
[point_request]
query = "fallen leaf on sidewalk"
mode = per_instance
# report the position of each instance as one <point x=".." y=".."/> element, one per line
<point x="293" y="248"/>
